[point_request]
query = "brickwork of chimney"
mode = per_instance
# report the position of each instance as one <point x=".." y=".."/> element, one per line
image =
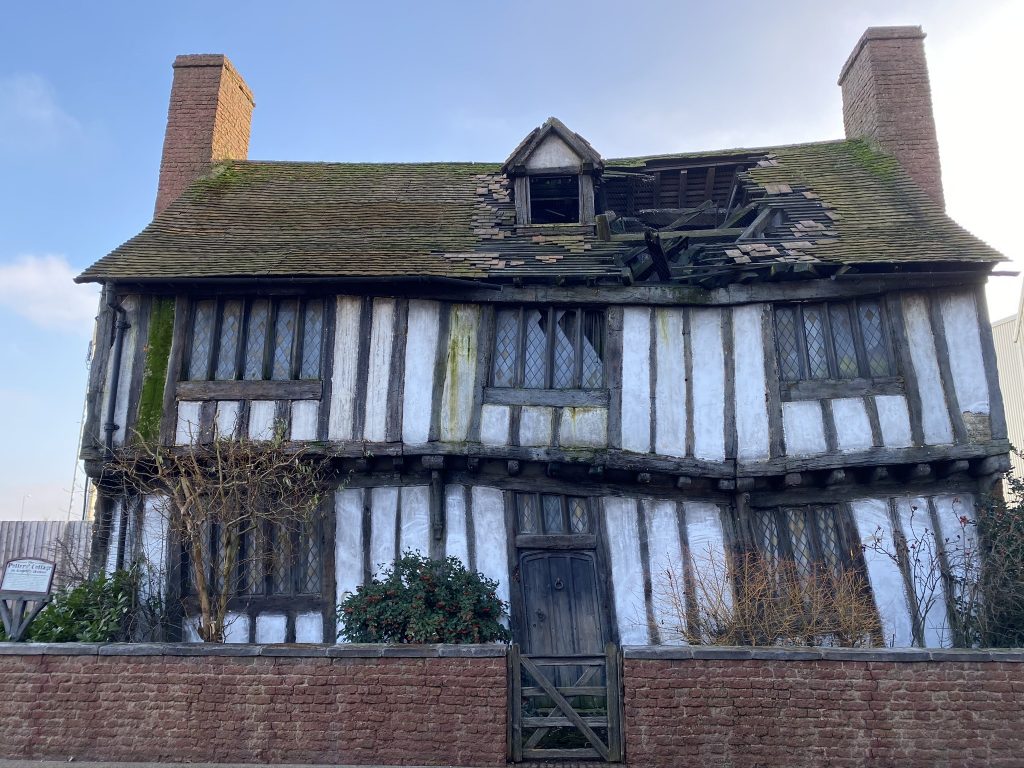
<point x="887" y="98"/>
<point x="208" y="119"/>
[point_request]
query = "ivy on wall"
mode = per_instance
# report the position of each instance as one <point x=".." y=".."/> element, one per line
<point x="158" y="351"/>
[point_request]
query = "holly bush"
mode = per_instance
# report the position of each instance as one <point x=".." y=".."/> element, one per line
<point x="424" y="600"/>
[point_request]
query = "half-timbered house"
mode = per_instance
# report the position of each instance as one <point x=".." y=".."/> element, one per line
<point x="567" y="370"/>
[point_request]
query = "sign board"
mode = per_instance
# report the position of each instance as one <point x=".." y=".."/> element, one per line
<point x="27" y="575"/>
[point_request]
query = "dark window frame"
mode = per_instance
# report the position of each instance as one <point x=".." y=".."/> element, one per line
<point x="519" y="375"/>
<point x="208" y="370"/>
<point x="844" y="557"/>
<point x="543" y="189"/>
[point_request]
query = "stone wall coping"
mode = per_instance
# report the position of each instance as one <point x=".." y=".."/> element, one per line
<point x="297" y="650"/>
<point x="684" y="652"/>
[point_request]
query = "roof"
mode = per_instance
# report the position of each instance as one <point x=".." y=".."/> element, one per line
<point x="840" y="203"/>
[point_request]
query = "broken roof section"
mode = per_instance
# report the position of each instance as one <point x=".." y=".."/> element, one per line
<point x="705" y="219"/>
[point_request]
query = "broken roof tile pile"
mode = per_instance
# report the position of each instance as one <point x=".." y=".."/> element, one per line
<point x="832" y="204"/>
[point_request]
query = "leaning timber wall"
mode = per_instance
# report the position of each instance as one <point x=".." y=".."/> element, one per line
<point x="447" y="705"/>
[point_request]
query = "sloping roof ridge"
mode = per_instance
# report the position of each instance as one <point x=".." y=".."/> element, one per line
<point x="364" y="163"/>
<point x="690" y="155"/>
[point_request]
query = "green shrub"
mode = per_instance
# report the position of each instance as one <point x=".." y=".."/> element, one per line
<point x="95" y="611"/>
<point x="420" y="600"/>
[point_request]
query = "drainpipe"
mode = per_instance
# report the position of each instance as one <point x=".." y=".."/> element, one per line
<point x="121" y="325"/>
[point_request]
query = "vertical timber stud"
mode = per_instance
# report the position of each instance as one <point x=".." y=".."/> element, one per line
<point x="613" y="370"/>
<point x="645" y="564"/>
<point x="613" y="679"/>
<point x="515" y="692"/>
<point x="729" y="418"/>
<point x="326" y="367"/>
<point x="330" y="580"/>
<point x="396" y="382"/>
<point x="437" y="514"/>
<point x="484" y="354"/>
<point x="362" y="368"/>
<point x="440" y="368"/>
<point x="996" y="414"/>
<point x="776" y="448"/>
<point x="142" y="319"/>
<point x="894" y="306"/>
<point x="688" y="375"/>
<point x="169" y="419"/>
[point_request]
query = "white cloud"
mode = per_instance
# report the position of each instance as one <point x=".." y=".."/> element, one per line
<point x="31" y="120"/>
<point x="41" y="289"/>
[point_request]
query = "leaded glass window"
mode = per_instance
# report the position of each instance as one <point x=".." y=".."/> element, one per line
<point x="255" y="339"/>
<point x="548" y="348"/>
<point x="553" y="514"/>
<point x="833" y="341"/>
<point x="811" y="537"/>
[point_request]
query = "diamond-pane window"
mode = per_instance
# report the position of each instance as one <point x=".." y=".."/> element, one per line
<point x="814" y="333"/>
<point x="800" y="541"/>
<point x="565" y="349"/>
<point x="202" y="339"/>
<point x="579" y="516"/>
<point x="767" y="533"/>
<point x="593" y="350"/>
<point x="506" y="348"/>
<point x="789" y="347"/>
<point x="284" y="340"/>
<point x="230" y="333"/>
<point x="256" y="339"/>
<point x="553" y="522"/>
<point x="812" y="538"/>
<point x="535" y="364"/>
<point x="310" y="561"/>
<point x="828" y="530"/>
<point x="870" y="316"/>
<point x="527" y="512"/>
<point x="312" y="340"/>
<point x="842" y="337"/>
<point x="832" y="341"/>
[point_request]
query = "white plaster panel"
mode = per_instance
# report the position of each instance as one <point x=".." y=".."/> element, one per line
<point x="378" y="377"/>
<point x="636" y="379"/>
<point x="309" y="627"/>
<point x="535" y="425"/>
<point x="347" y="336"/>
<point x="115" y="537"/>
<point x="124" y="382"/>
<point x="383" y="522"/>
<point x="803" y="428"/>
<point x="853" y="429"/>
<point x="271" y="628"/>
<point x="670" y="383"/>
<point x="935" y="415"/>
<point x="494" y="424"/>
<point x="963" y="340"/>
<point x="348" y="541"/>
<point x="627" y="569"/>
<point x="187" y="429"/>
<point x="705" y="538"/>
<point x="236" y="628"/>
<point x="894" y="421"/>
<point x="305" y="415"/>
<point x="489" y="532"/>
<point x="153" y="543"/>
<point x="583" y="427"/>
<point x="871" y="516"/>
<point x="959" y="541"/>
<point x="752" y="431"/>
<point x="708" y="384"/>
<point x="420" y="359"/>
<point x="455" y="542"/>
<point x="666" y="570"/>
<point x="261" y="419"/>
<point x="552" y="152"/>
<point x="460" y="372"/>
<point x="916" y="525"/>
<point x="415" y="534"/>
<point x="226" y="418"/>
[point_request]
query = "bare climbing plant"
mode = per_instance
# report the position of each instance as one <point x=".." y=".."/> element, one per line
<point x="236" y="505"/>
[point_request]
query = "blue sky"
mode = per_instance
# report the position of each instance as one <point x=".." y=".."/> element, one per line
<point x="83" y="103"/>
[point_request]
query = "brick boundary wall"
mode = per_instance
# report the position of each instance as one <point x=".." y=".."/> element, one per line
<point x="741" y="708"/>
<point x="447" y="705"/>
<point x="427" y="705"/>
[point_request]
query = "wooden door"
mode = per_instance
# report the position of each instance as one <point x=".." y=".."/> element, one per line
<point x="561" y="603"/>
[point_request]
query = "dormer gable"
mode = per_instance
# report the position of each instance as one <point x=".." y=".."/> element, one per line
<point x="553" y="174"/>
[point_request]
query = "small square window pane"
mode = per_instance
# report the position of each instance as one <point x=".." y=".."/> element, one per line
<point x="579" y="515"/>
<point x="506" y="348"/>
<point x="256" y="339"/>
<point x="535" y="364"/>
<point x="875" y="347"/>
<point x="202" y="338"/>
<point x="593" y="350"/>
<point x="789" y="347"/>
<point x="230" y="332"/>
<point x="842" y="336"/>
<point x="312" y="339"/>
<point x="565" y="349"/>
<point x="553" y="522"/>
<point x="829" y="539"/>
<point x="308" y="559"/>
<point x="814" y="334"/>
<point x="284" y="340"/>
<point x="766" y="532"/>
<point x="800" y="540"/>
<point x="528" y="518"/>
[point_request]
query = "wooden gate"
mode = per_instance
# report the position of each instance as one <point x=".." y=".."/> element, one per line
<point x="565" y="707"/>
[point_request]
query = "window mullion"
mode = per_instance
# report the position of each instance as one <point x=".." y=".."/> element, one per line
<point x="214" y="352"/>
<point x="858" y="340"/>
<point x="577" y="380"/>
<point x="270" y="340"/>
<point x="801" y="343"/>
<point x="519" y="374"/>
<point x="549" y="373"/>
<point x="830" y="346"/>
<point x="298" y="342"/>
<point x="243" y="339"/>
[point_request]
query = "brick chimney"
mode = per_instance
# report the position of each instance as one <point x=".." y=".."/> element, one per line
<point x="208" y="120"/>
<point x="887" y="98"/>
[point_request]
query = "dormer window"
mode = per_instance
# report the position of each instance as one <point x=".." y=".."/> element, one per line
<point x="554" y="199"/>
<point x="553" y="173"/>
